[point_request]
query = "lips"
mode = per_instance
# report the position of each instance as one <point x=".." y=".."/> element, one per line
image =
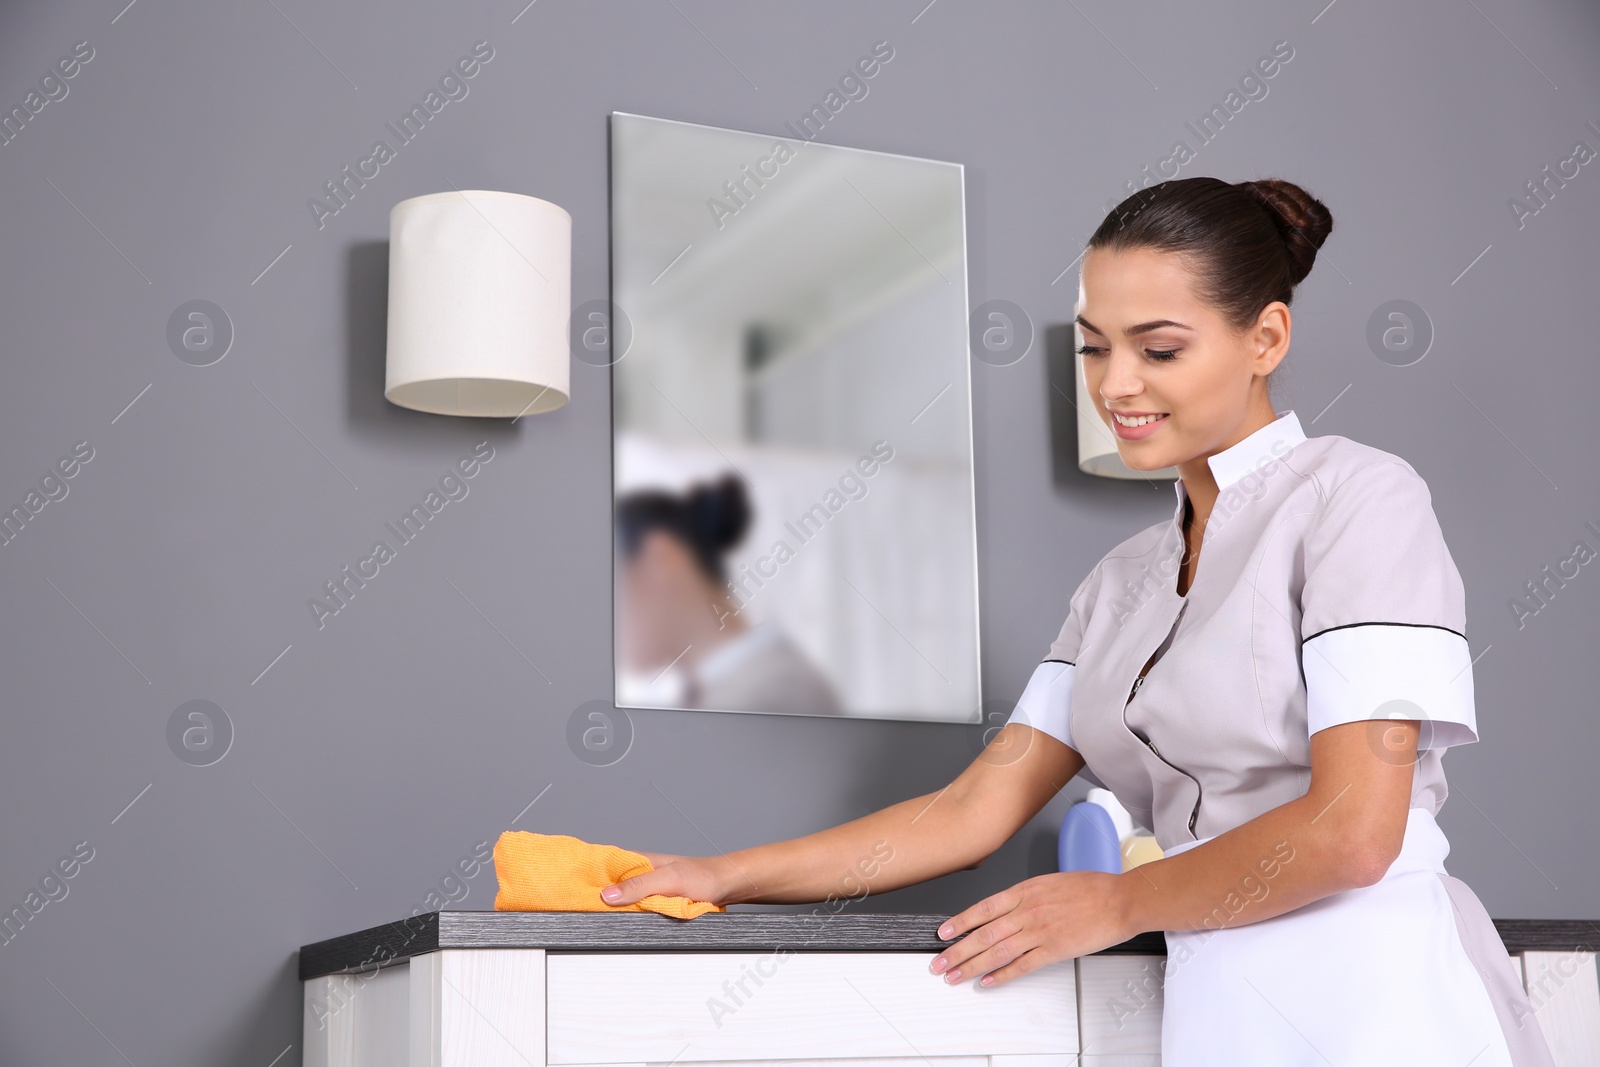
<point x="1143" y="429"/>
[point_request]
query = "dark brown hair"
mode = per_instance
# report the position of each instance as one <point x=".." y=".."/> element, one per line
<point x="1246" y="243"/>
<point x="709" y="519"/>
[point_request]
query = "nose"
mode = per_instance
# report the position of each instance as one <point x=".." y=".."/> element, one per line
<point x="1120" y="376"/>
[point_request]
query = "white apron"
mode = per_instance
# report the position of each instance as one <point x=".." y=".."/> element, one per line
<point x="1398" y="972"/>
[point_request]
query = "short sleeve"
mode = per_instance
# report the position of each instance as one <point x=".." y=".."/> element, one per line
<point x="1383" y="611"/>
<point x="1046" y="703"/>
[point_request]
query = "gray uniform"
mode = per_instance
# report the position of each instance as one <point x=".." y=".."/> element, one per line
<point x="763" y="670"/>
<point x="1324" y="594"/>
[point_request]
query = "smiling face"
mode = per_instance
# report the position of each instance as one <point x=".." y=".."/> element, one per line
<point x="1155" y="353"/>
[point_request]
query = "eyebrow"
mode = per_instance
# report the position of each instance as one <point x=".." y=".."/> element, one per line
<point x="1134" y="331"/>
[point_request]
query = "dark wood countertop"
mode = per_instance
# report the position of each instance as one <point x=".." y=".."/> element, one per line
<point x="637" y="931"/>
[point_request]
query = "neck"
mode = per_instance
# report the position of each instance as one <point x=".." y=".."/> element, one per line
<point x="1199" y="482"/>
<point x="709" y="630"/>
<point x="1202" y="492"/>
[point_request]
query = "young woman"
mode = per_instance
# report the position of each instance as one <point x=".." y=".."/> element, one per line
<point x="675" y="610"/>
<point x="1283" y="740"/>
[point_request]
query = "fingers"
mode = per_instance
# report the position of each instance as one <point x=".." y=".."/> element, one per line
<point x="673" y="876"/>
<point x="630" y="890"/>
<point x="1033" y="924"/>
<point x="985" y="910"/>
<point x="991" y="946"/>
<point x="635" y="889"/>
<point x="1022" y="964"/>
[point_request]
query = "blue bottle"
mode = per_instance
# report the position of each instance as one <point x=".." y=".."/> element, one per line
<point x="1088" y="840"/>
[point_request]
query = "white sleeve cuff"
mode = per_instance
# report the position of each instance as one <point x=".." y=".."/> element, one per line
<point x="1046" y="704"/>
<point x="1392" y="671"/>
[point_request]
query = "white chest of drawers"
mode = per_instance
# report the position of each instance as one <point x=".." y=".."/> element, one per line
<point x="737" y="989"/>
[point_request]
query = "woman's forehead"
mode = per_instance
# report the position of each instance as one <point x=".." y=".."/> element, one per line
<point x="1124" y="289"/>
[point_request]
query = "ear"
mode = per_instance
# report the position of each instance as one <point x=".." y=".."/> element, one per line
<point x="1269" y="339"/>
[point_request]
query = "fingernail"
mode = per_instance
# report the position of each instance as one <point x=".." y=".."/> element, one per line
<point x="987" y="979"/>
<point x="611" y="892"/>
<point x="953" y="976"/>
<point x="946" y="930"/>
<point x="937" y="965"/>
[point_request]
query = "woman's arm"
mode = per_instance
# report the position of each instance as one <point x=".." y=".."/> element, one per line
<point x="913" y="841"/>
<point x="1342" y="834"/>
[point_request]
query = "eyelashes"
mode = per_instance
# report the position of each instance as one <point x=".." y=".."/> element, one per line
<point x="1159" y="355"/>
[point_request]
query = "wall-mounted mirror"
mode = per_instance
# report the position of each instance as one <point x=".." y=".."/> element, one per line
<point x="792" y="434"/>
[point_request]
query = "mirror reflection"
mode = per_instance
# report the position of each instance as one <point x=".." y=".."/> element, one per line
<point x="792" y="452"/>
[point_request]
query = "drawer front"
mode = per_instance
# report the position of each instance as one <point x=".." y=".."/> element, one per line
<point x="642" y="1007"/>
<point x="1120" y="1003"/>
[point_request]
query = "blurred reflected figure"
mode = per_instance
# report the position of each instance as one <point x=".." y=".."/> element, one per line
<point x="675" y="609"/>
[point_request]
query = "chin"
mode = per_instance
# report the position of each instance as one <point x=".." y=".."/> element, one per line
<point x="1134" y="465"/>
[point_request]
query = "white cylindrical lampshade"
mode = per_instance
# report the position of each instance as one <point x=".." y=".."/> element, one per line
<point x="479" y="299"/>
<point x="1097" y="444"/>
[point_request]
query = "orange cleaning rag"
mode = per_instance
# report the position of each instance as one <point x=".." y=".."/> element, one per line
<point x="554" y="872"/>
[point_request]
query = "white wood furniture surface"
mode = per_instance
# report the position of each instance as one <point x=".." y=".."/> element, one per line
<point x="738" y="989"/>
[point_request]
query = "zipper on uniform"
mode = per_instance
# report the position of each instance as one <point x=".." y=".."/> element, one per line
<point x="1194" y="814"/>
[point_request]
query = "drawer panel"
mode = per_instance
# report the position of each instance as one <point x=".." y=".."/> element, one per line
<point x="1120" y="1003"/>
<point x="640" y="1007"/>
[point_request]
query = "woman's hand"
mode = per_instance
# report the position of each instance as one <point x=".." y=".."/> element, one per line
<point x="695" y="877"/>
<point x="1044" y="919"/>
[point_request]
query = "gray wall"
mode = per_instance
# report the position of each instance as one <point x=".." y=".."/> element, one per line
<point x="428" y="714"/>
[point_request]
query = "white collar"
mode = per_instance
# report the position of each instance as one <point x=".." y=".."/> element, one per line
<point x="725" y="658"/>
<point x="1234" y="462"/>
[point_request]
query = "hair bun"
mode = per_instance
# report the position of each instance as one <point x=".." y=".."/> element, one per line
<point x="720" y="512"/>
<point x="1303" y="221"/>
